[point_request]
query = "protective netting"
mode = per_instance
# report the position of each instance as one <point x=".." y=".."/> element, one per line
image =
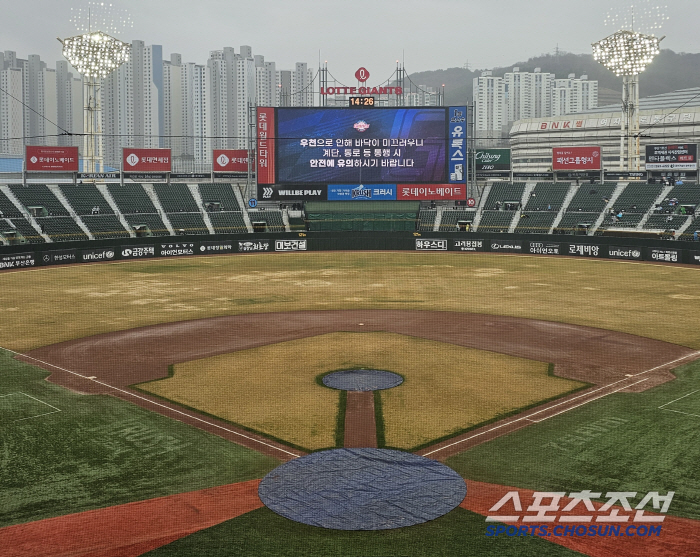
<point x="362" y="489"/>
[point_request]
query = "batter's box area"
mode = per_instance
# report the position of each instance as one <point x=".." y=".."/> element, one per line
<point x="16" y="407"/>
<point x="688" y="404"/>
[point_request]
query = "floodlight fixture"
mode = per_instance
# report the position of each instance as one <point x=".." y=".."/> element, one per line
<point x="626" y="52"/>
<point x="95" y="54"/>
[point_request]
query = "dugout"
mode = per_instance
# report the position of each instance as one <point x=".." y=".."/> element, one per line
<point x="387" y="216"/>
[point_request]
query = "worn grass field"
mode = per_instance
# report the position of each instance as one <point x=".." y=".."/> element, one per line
<point x="271" y="389"/>
<point x="47" y="305"/>
<point x="64" y="453"/>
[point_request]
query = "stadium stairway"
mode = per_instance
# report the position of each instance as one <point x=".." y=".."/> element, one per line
<point x="113" y="204"/>
<point x="611" y="203"/>
<point x="529" y="186"/>
<point x="564" y="204"/>
<point x="148" y="188"/>
<point x="194" y="189"/>
<point x="663" y="195"/>
<point x="480" y="207"/>
<point x="17" y="203"/>
<point x="438" y="218"/>
<point x="76" y="217"/>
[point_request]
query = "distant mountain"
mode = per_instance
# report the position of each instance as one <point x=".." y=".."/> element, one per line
<point x="669" y="71"/>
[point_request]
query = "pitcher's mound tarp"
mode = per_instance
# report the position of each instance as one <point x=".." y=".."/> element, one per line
<point x="362" y="489"/>
<point x="362" y="380"/>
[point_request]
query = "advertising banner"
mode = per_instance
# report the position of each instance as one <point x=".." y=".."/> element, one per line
<point x="545" y="248"/>
<point x="615" y="252"/>
<point x="146" y="160"/>
<point x="216" y="247"/>
<point x="672" y="157"/>
<point x="457" y="145"/>
<point x="265" y="133"/>
<point x="694" y="257"/>
<point x="576" y="158"/>
<point x="174" y="249"/>
<point x="362" y="192"/>
<point x="431" y="244"/>
<point x="55" y="257"/>
<point x="486" y="160"/>
<point x="17" y="260"/>
<point x="469" y="245"/>
<point x="513" y="246"/>
<point x="290" y="245"/>
<point x="137" y="252"/>
<point x="276" y="193"/>
<point x="425" y="192"/>
<point x="52" y="159"/>
<point x="254" y="245"/>
<point x="584" y="250"/>
<point x="97" y="254"/>
<point x="231" y="160"/>
<point x="669" y="255"/>
<point x="362" y="146"/>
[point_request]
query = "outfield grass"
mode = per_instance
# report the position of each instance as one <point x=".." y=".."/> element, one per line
<point x="263" y="533"/>
<point x="623" y="442"/>
<point x="47" y="305"/>
<point x="446" y="388"/>
<point x="97" y="451"/>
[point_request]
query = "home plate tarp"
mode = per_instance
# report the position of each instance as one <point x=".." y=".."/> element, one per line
<point x="362" y="380"/>
<point x="362" y="489"/>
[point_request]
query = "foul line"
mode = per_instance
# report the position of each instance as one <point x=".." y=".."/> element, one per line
<point x="695" y="391"/>
<point x="586" y="394"/>
<point x="153" y="402"/>
<point x="33" y="398"/>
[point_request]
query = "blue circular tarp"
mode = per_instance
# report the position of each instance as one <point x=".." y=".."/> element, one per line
<point x="362" y="380"/>
<point x="362" y="489"/>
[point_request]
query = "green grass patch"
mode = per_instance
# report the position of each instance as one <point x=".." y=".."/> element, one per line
<point x="264" y="533"/>
<point x="98" y="451"/>
<point x="622" y="442"/>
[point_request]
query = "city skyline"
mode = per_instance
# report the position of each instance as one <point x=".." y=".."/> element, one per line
<point x="347" y="35"/>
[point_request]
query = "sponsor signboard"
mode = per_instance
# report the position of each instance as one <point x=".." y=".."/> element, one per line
<point x="97" y="254"/>
<point x="669" y="255"/>
<point x="276" y="193"/>
<point x="17" y="260"/>
<point x="98" y="175"/>
<point x="174" y="249"/>
<point x="672" y="157"/>
<point x="615" y="252"/>
<point x="51" y="159"/>
<point x="506" y="246"/>
<point x="192" y="176"/>
<point x="585" y="250"/>
<point x="487" y="160"/>
<point x="290" y="245"/>
<point x="545" y="248"/>
<point x="216" y="247"/>
<point x="694" y="257"/>
<point x="576" y="158"/>
<point x="469" y="245"/>
<point x="425" y="192"/>
<point x="362" y="192"/>
<point x="137" y="252"/>
<point x="145" y="160"/>
<point x="546" y="175"/>
<point x="431" y="244"/>
<point x="616" y="175"/>
<point x="457" y="145"/>
<point x="265" y="133"/>
<point x="55" y="257"/>
<point x="231" y="160"/>
<point x="254" y="245"/>
<point x="149" y="176"/>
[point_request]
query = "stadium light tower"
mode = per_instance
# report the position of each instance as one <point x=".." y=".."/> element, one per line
<point x="628" y="53"/>
<point x="94" y="55"/>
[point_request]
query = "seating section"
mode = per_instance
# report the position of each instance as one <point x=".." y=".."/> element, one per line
<point x="26" y="229"/>
<point x="628" y="220"/>
<point x="591" y="198"/>
<point x="686" y="194"/>
<point x="495" y="221"/>
<point x="426" y="218"/>
<point x="536" y="222"/>
<point x="637" y="198"/>
<point x="61" y="229"/>
<point x="189" y="223"/>
<point x="450" y="219"/>
<point x="219" y="193"/>
<point x="8" y="209"/>
<point x="504" y="192"/>
<point x="152" y="220"/>
<point x="105" y="226"/>
<point x="86" y="199"/>
<point x="131" y="198"/>
<point x="688" y="235"/>
<point x="570" y="222"/>
<point x="176" y="198"/>
<point x="665" y="222"/>
<point x="272" y="219"/>
<point x="39" y="195"/>
<point x="547" y="196"/>
<point x="229" y="223"/>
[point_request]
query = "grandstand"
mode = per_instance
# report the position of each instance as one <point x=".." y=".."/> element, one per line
<point x="36" y="197"/>
<point x="591" y="198"/>
<point x="105" y="226"/>
<point x="505" y="193"/>
<point x="229" y="222"/>
<point x="86" y="199"/>
<point x="23" y="227"/>
<point x="426" y="218"/>
<point x="176" y="198"/>
<point x="547" y="196"/>
<point x="496" y="221"/>
<point x="131" y="198"/>
<point x="267" y="221"/>
<point x="221" y="194"/>
<point x="536" y="222"/>
<point x="451" y="220"/>
<point x="61" y="229"/>
<point x="188" y="223"/>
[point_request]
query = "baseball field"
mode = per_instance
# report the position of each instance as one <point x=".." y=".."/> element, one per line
<point x="142" y="401"/>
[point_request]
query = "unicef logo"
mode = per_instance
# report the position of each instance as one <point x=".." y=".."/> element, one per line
<point x="109" y="254"/>
<point x="222" y="160"/>
<point x="132" y="159"/>
<point x="636" y="254"/>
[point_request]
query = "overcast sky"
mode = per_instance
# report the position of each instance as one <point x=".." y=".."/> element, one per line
<point x="427" y="34"/>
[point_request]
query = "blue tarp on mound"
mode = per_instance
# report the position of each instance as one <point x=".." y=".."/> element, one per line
<point x="362" y="489"/>
<point x="362" y="380"/>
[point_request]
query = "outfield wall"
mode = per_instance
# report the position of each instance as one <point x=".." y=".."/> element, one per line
<point x="91" y="251"/>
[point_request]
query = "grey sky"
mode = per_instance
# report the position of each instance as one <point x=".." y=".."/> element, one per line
<point x="430" y="34"/>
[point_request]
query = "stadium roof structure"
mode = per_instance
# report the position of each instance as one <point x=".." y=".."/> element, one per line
<point x="674" y="99"/>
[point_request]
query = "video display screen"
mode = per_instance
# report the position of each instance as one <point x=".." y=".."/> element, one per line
<point x="370" y="146"/>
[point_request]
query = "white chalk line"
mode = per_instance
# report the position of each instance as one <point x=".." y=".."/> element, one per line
<point x="134" y="395"/>
<point x="38" y="400"/>
<point x="587" y="394"/>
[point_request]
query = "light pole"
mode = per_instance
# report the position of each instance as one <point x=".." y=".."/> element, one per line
<point x="94" y="55"/>
<point x="628" y="53"/>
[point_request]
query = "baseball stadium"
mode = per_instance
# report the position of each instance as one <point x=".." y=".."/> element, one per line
<point x="381" y="364"/>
